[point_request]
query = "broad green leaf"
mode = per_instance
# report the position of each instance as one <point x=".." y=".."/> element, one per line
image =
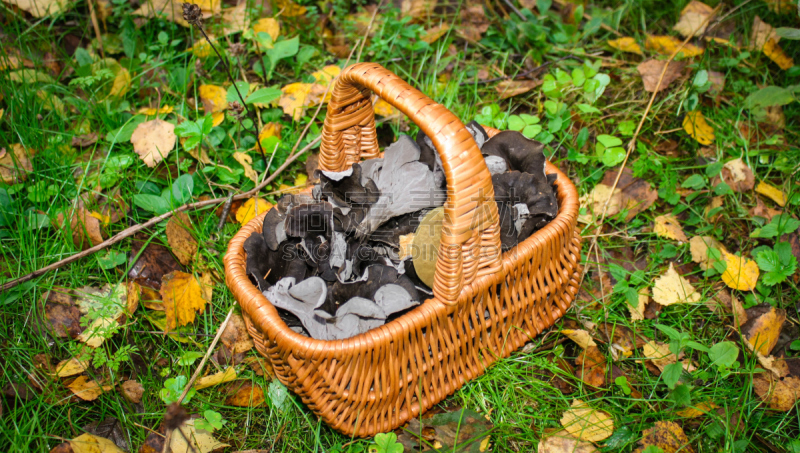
<point x="264" y="96"/>
<point x="182" y="188"/>
<point x="768" y="97"/>
<point x="609" y="141"/>
<point x="232" y="95"/>
<point x="788" y="33"/>
<point x="724" y="354"/>
<point x="189" y="357"/>
<point x="515" y="123"/>
<point x="151" y="203"/>
<point x="672" y="374"/>
<point x="613" y="156"/>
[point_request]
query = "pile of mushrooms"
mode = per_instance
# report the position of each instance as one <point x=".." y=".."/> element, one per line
<point x="335" y="262"/>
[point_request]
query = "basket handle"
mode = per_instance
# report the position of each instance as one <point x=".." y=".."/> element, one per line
<point x="470" y="245"/>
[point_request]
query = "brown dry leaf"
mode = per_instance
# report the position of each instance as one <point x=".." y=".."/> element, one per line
<point x="671" y="288"/>
<point x="172" y="10"/>
<point x="71" y="367"/>
<point x="736" y="174"/>
<point x="779" y="394"/>
<point x="637" y="313"/>
<point x="761" y="33"/>
<point x="580" y="337"/>
<point x="180" y="239"/>
<point x="89" y="443"/>
<point x="668" y="226"/>
<point x="269" y="26"/>
<point x="778" y="367"/>
<point x="473" y="22"/>
<point x="564" y="442"/>
<point x="626" y="44"/>
<point x="260" y="366"/>
<point x="245" y="395"/>
<point x="764" y="327"/>
<point x="417" y="9"/>
<point x="650" y="71"/>
<point x="84" y="227"/>
<point x="658" y="354"/>
<point x="717" y="80"/>
<point x="698" y="410"/>
<point x="153" y="140"/>
<point x="586" y="423"/>
<point x="152" y="264"/>
<point x="183" y="298"/>
<point x="15" y="165"/>
<point x="61" y="313"/>
<point x="246" y="161"/>
<point x="215" y="379"/>
<point x="595" y="200"/>
<point x="40" y="8"/>
<point x="510" y="88"/>
<point x="730" y="303"/>
<point x="132" y="391"/>
<point x="591" y="367"/>
<point x="699" y="246"/>
<point x="666" y="45"/>
<point x="668" y="436"/>
<point x="194" y="440"/>
<point x="694" y="123"/>
<point x="777" y="55"/>
<point x="88" y="390"/>
<point x="235" y="335"/>
<point x="740" y="273"/>
<point x="236" y="19"/>
<point x="104" y="306"/>
<point x="213" y="98"/>
<point x="622" y="341"/>
<point x="694" y="19"/>
<point x="251" y="208"/>
<point x="772" y="192"/>
<point x="433" y="34"/>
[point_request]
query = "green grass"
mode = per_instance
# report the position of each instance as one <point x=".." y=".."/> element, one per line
<point x="517" y="393"/>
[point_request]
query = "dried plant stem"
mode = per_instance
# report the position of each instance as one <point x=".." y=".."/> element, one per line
<point x="206" y="356"/>
<point x="96" y="27"/>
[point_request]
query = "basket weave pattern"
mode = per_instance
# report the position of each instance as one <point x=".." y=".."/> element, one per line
<point x="485" y="305"/>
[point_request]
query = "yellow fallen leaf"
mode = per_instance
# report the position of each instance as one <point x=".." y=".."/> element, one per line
<point x="296" y="97"/>
<point x="667" y="45"/>
<point x="269" y="26"/>
<point x="595" y="201"/>
<point x="586" y="423"/>
<point x="270" y="130"/>
<point x="88" y="390"/>
<point x="288" y="8"/>
<point x="213" y="98"/>
<point x="15" y="164"/>
<point x="246" y="161"/>
<point x="180" y="238"/>
<point x="580" y="337"/>
<point x="696" y="411"/>
<point x="153" y="140"/>
<point x="637" y="312"/>
<point x="694" y="123"/>
<point x="383" y="108"/>
<point x="41" y="8"/>
<point x="251" y="208"/>
<point x="217" y="118"/>
<point x="202" y="49"/>
<point x="740" y="273"/>
<point x="626" y="44"/>
<point x="761" y="33"/>
<point x="667" y="437"/>
<point x="300" y="180"/>
<point x="694" y="19"/>
<point x="152" y="111"/>
<point x="658" y="353"/>
<point x="434" y="33"/>
<point x="122" y="78"/>
<point x="776" y="54"/>
<point x="671" y="288"/>
<point x="775" y="194"/>
<point x="183" y="299"/>
<point x="71" y="367"/>
<point x="699" y="247"/>
<point x="89" y="443"/>
<point x="215" y="379"/>
<point x="668" y="226"/>
<point x="326" y="74"/>
<point x="236" y="19"/>
<point x="192" y="439"/>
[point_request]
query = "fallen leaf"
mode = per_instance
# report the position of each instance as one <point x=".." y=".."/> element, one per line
<point x="288" y="8"/>
<point x="781" y="6"/>
<point x="132" y="391"/>
<point x="89" y="443"/>
<point x="772" y="50"/>
<point x="650" y="71"/>
<point x="626" y="44"/>
<point x="595" y="200"/>
<point x="761" y="33"/>
<point x="698" y="410"/>
<point x="88" y="390"/>
<point x="772" y="192"/>
<point x="183" y="298"/>
<point x="717" y="80"/>
<point x="668" y="436"/>
<point x="111" y="429"/>
<point x="213" y="97"/>
<point x="61" y="313"/>
<point x="180" y="240"/>
<point x="384" y="109"/>
<point x="326" y="75"/>
<point x="251" y="208"/>
<point x="103" y="307"/>
<point x="668" y="226"/>
<point x="417" y="9"/>
<point x="736" y="174"/>
<point x="564" y="442"/>
<point x="235" y="335"/>
<point x="699" y="247"/>
<point x="15" y="165"/>
<point x="694" y="123"/>
<point x="763" y="328"/>
<point x="473" y="21"/>
<point x="41" y="8"/>
<point x="510" y="88"/>
<point x="270" y="130"/>
<point x="83" y="226"/>
<point x="246" y="162"/>
<point x="433" y="34"/>
<point x="153" y="140"/>
<point x="71" y="367"/>
<point x="457" y="429"/>
<point x="152" y="111"/>
<point x="151" y="264"/>
<point x="694" y="19"/>
<point x="172" y="10"/>
<point x="779" y="394"/>
<point x="269" y="26"/>
<point x="260" y="366"/>
<point x="215" y="379"/>
<point x="667" y="45"/>
<point x="194" y="440"/>
<point x="658" y="354"/>
<point x="296" y="97"/>
<point x="236" y="19"/>
<point x="580" y="337"/>
<point x="85" y="140"/>
<point x="591" y="367"/>
<point x="637" y="312"/>
<point x="730" y="303"/>
<point x="740" y="273"/>
<point x="586" y="423"/>
<point x="245" y="395"/>
<point x="207" y="286"/>
<point x="671" y="288"/>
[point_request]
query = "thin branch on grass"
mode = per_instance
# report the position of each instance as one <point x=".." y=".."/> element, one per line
<point x="207" y="355"/>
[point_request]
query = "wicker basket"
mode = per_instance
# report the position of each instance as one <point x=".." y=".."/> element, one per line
<point x="485" y="305"/>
